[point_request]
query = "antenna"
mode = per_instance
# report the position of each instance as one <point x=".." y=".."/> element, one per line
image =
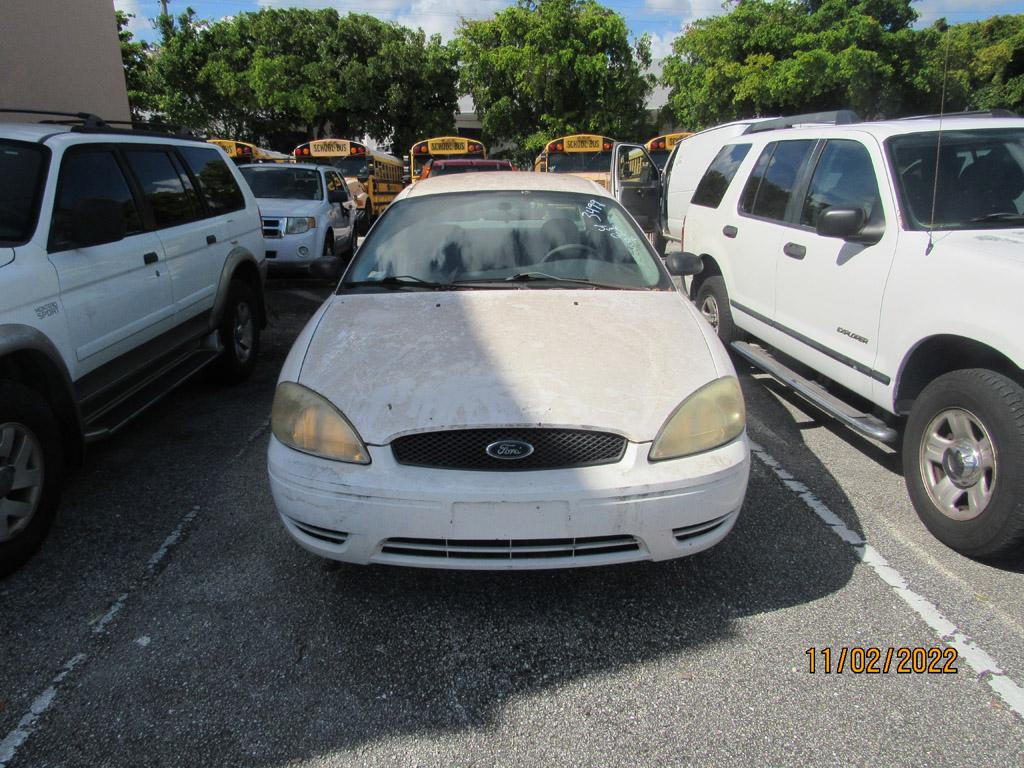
<point x="938" y="148"/>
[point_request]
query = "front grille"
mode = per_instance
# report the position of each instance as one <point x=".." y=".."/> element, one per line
<point x="272" y="227"/>
<point x="467" y="449"/>
<point x="510" y="549"/>
<point x="692" y="531"/>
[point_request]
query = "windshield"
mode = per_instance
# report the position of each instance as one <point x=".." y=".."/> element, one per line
<point x="531" y="239"/>
<point x="284" y="183"/>
<point x="444" y="169"/>
<point x="418" y="161"/>
<point x="358" y="167"/>
<point x="579" y="162"/>
<point x="22" y="169"/>
<point x="980" y="178"/>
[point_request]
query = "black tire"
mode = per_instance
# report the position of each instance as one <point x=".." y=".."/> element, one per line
<point x="713" y="302"/>
<point x="26" y="422"/>
<point x="239" y="333"/>
<point x="975" y="402"/>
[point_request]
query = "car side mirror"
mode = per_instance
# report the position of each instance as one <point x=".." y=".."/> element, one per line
<point x="97" y="220"/>
<point x="680" y="264"/>
<point x="336" y="196"/>
<point x="843" y="223"/>
<point x="326" y="268"/>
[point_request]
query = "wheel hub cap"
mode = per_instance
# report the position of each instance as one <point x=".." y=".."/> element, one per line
<point x="958" y="464"/>
<point x="962" y="463"/>
<point x="6" y="480"/>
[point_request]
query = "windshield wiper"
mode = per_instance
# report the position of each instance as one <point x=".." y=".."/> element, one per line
<point x="529" y="277"/>
<point x="1001" y="216"/>
<point x="398" y="281"/>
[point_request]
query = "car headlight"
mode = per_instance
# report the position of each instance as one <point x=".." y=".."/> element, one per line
<point x="712" y="416"/>
<point x="307" y="422"/>
<point x="298" y="224"/>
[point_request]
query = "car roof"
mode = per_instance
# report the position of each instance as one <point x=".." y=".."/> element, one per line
<point x="499" y="181"/>
<point x="29" y="131"/>
<point x="474" y="161"/>
<point x="307" y="166"/>
<point x="884" y="129"/>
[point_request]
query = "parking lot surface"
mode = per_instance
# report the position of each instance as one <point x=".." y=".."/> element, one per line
<point x="169" y="620"/>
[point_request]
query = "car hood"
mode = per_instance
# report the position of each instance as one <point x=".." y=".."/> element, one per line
<point x="6" y="256"/>
<point x="402" y="362"/>
<point x="272" y="206"/>
<point x="1000" y="243"/>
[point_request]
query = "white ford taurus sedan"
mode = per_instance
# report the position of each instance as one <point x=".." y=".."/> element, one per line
<point x="507" y="378"/>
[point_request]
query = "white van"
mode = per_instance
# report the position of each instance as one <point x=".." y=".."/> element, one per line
<point x="691" y="157"/>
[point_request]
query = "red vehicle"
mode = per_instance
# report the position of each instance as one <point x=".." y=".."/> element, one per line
<point x="439" y="167"/>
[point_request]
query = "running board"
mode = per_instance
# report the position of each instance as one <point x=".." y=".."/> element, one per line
<point x="864" y="423"/>
<point x="163" y="381"/>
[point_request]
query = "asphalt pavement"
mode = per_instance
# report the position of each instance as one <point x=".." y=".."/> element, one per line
<point x="170" y="621"/>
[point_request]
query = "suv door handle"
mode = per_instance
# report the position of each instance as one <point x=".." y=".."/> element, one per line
<point x="150" y="258"/>
<point x="730" y="231"/>
<point x="794" y="251"/>
<point x="211" y="239"/>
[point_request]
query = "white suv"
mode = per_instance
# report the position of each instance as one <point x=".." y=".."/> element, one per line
<point x="307" y="212"/>
<point x="885" y="258"/>
<point x="128" y="262"/>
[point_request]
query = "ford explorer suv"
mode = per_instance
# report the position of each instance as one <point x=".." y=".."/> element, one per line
<point x="876" y="269"/>
<point x="129" y="261"/>
<point x="307" y="213"/>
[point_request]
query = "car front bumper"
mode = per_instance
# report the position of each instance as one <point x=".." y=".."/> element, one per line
<point x="388" y="513"/>
<point x="285" y="249"/>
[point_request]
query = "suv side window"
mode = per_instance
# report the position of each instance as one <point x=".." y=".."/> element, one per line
<point x="336" y="183"/>
<point x="719" y="175"/>
<point x="769" y="187"/>
<point x="844" y="178"/>
<point x="87" y="175"/>
<point x="162" y="187"/>
<point x="216" y="182"/>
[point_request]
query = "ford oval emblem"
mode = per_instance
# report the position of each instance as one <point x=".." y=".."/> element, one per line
<point x="509" y="449"/>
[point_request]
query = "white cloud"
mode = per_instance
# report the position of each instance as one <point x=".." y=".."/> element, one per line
<point x="442" y="17"/>
<point x="140" y="24"/>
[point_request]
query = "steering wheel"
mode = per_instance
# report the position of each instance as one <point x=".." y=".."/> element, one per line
<point x="555" y="253"/>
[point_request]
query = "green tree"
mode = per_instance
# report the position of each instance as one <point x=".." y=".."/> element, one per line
<point x="136" y="57"/>
<point x="783" y="56"/>
<point x="281" y="76"/>
<point x="546" y="68"/>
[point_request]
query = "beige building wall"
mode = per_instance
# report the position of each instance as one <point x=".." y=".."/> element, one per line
<point x="61" y="55"/>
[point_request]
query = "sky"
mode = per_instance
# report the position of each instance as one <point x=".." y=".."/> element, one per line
<point x="663" y="20"/>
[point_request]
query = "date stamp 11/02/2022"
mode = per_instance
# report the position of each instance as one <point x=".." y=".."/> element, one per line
<point x="869" y="660"/>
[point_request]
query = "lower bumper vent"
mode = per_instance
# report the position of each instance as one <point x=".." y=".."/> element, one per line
<point x="510" y="549"/>
<point x="321" y="534"/>
<point x="688" y="532"/>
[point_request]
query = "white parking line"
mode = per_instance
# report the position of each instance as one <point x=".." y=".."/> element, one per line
<point x="26" y="726"/>
<point x="40" y="704"/>
<point x="977" y="658"/>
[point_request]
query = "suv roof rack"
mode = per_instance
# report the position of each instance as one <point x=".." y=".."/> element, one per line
<point x="87" y="122"/>
<point x="834" y="117"/>
<point x="971" y="113"/>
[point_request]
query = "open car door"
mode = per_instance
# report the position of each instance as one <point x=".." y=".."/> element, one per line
<point x="636" y="183"/>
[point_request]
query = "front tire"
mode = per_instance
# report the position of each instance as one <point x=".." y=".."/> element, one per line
<point x="713" y="302"/>
<point x="31" y="467"/>
<point x="962" y="452"/>
<point x="239" y="333"/>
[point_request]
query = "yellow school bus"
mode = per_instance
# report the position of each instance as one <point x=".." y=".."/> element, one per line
<point x="373" y="177"/>
<point x="246" y="152"/>
<point x="451" y="147"/>
<point x="660" y="147"/>
<point x="540" y="163"/>
<point x="582" y="154"/>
